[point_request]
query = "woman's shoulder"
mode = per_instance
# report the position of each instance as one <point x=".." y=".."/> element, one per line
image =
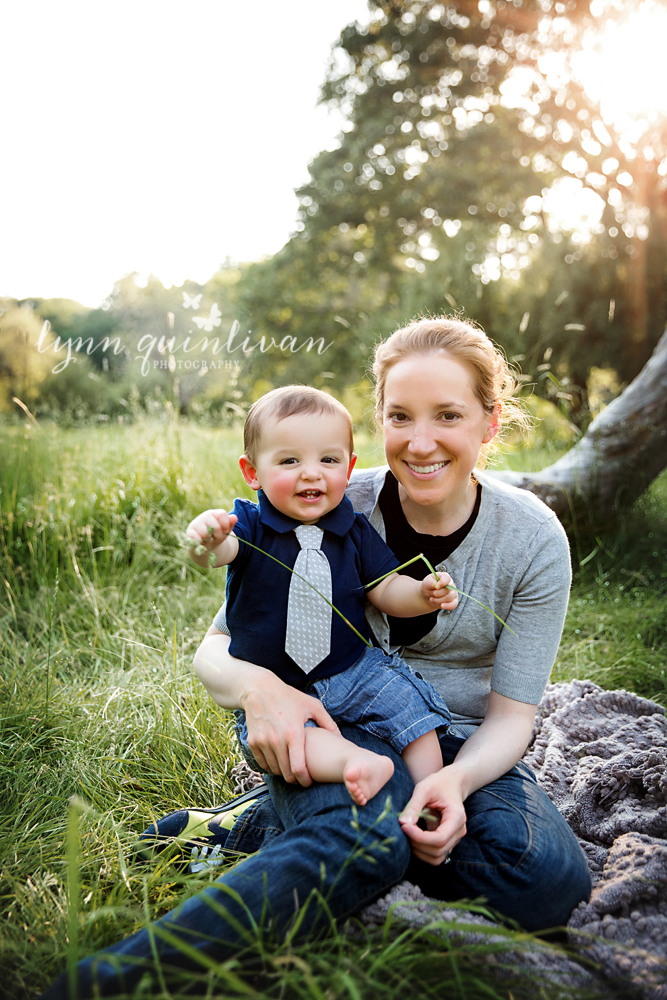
<point x="515" y="501"/>
<point x="518" y="525"/>
<point x="364" y="488"/>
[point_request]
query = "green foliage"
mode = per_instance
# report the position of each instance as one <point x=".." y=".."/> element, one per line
<point x="437" y="179"/>
<point x="140" y="354"/>
<point x="22" y="368"/>
<point x="432" y="202"/>
<point x="99" y="619"/>
<point x="616" y="630"/>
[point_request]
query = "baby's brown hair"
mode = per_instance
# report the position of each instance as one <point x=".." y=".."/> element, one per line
<point x="288" y="401"/>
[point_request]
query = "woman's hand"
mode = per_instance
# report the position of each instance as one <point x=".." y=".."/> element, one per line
<point x="275" y="712"/>
<point x="276" y="715"/>
<point x="492" y="750"/>
<point x="441" y="794"/>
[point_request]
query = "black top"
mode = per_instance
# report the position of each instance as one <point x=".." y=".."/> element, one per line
<point x="405" y="543"/>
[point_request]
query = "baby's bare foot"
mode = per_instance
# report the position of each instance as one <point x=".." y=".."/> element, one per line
<point x="365" y="775"/>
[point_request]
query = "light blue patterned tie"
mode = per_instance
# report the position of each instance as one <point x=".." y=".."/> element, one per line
<point x="308" y="637"/>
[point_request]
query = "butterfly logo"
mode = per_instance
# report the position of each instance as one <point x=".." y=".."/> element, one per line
<point x="208" y="322"/>
<point x="191" y="301"/>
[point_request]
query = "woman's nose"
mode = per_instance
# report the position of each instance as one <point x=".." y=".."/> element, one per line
<point x="422" y="441"/>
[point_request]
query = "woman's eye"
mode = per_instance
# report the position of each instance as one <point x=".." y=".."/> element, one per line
<point x="398" y="418"/>
<point x="449" y="417"/>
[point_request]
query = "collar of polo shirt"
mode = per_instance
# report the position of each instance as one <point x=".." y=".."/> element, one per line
<point x="339" y="520"/>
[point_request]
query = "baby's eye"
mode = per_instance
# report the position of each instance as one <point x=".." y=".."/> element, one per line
<point x="288" y="461"/>
<point x="330" y="459"/>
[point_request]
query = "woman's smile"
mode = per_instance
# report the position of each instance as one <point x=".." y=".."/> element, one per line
<point x="424" y="470"/>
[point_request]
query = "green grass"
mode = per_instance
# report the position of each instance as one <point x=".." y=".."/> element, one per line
<point x="616" y="628"/>
<point x="99" y="619"/>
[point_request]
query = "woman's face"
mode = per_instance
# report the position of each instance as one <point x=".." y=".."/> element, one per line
<point x="434" y="426"/>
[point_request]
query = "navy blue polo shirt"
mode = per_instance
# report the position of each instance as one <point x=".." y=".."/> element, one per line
<point x="258" y="589"/>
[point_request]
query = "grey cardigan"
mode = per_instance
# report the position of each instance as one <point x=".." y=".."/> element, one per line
<point x="515" y="560"/>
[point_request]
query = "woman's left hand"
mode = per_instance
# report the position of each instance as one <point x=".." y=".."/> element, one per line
<point x="441" y="794"/>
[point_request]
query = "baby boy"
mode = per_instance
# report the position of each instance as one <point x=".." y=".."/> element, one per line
<point x="298" y="455"/>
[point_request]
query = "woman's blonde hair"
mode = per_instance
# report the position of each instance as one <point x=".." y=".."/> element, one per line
<point x="492" y="379"/>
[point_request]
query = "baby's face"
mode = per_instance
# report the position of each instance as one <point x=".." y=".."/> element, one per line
<point x="303" y="464"/>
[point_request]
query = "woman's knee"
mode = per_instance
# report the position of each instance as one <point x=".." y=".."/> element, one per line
<point x="519" y="854"/>
<point x="569" y="883"/>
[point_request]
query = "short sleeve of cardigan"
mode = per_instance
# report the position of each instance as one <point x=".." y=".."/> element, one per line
<point x="245" y="528"/>
<point x="523" y="661"/>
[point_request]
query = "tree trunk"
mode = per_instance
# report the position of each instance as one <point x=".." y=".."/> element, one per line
<point x="620" y="454"/>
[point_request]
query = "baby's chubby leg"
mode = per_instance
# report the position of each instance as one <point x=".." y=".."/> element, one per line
<point x="332" y="758"/>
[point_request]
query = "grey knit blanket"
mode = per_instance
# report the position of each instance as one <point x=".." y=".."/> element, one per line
<point x="601" y="756"/>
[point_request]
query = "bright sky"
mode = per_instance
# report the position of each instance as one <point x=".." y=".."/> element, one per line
<point x="154" y="135"/>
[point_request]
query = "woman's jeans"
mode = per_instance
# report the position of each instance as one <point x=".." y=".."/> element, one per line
<point x="518" y="854"/>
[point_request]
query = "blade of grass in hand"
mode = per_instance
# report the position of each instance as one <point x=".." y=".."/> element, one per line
<point x="450" y="586"/>
<point x="373" y="583"/>
<point x="333" y="606"/>
<point x="463" y="594"/>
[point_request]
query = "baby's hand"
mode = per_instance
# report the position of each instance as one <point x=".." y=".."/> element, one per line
<point x="436" y="592"/>
<point x="211" y="528"/>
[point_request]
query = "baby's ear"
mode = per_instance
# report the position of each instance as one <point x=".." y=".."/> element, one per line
<point x="353" y="462"/>
<point x="249" y="472"/>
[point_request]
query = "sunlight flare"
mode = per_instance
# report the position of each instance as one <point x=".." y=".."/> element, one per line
<point x="622" y="69"/>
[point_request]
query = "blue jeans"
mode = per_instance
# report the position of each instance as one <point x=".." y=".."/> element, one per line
<point x="519" y="854"/>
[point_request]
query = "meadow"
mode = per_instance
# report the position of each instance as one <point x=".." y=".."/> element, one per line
<point x="104" y="726"/>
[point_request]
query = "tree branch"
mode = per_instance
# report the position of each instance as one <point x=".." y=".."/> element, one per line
<point x="621" y="453"/>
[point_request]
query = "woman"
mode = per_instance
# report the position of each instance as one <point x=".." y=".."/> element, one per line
<point x="443" y="393"/>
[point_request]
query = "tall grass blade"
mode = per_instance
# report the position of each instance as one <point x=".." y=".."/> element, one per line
<point x="463" y="594"/>
<point x="73" y="901"/>
<point x="449" y="586"/>
<point x="189" y="545"/>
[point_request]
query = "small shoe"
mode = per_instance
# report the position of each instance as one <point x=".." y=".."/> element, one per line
<point x="192" y="829"/>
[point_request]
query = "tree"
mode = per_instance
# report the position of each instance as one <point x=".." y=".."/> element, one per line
<point x="438" y="160"/>
<point x="620" y="454"/>
<point x="23" y="368"/>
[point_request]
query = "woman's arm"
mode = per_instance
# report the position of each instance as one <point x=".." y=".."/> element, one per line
<point x="496" y="746"/>
<point x="275" y="712"/>
<point x="523" y="660"/>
